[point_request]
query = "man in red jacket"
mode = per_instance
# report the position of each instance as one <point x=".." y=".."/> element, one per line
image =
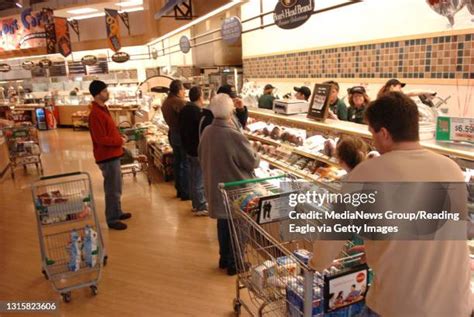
<point x="107" y="143"/>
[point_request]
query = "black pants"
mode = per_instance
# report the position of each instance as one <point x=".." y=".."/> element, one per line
<point x="225" y="243"/>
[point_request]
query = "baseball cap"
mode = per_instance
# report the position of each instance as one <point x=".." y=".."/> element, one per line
<point x="268" y="86"/>
<point x="356" y="90"/>
<point x="303" y="90"/>
<point x="394" y="82"/>
<point x="227" y="89"/>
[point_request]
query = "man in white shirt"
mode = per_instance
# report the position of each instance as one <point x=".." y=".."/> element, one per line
<point x="411" y="278"/>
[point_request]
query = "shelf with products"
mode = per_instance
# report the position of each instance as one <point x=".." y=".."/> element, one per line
<point x="159" y="150"/>
<point x="296" y="150"/>
<point x="337" y="128"/>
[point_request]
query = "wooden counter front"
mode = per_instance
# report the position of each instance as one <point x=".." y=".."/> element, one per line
<point x="65" y="113"/>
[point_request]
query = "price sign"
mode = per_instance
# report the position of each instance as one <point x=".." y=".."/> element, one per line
<point x="455" y="129"/>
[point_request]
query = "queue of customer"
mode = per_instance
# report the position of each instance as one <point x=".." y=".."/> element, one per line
<point x="209" y="148"/>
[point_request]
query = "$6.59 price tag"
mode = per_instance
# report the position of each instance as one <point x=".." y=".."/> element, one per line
<point x="455" y="129"/>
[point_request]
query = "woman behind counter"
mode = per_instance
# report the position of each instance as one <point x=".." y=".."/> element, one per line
<point x="359" y="101"/>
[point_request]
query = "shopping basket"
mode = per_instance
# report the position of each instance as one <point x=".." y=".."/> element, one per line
<point x="272" y="264"/>
<point x="71" y="243"/>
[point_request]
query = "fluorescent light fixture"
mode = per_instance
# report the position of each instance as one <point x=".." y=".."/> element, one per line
<point x="82" y="11"/>
<point x="18" y="4"/>
<point x="130" y="3"/>
<point x="87" y="16"/>
<point x="198" y="20"/>
<point x="132" y="9"/>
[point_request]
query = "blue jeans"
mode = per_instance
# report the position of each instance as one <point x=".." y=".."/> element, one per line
<point x="180" y="165"/>
<point x="225" y="243"/>
<point x="196" y="184"/>
<point x="367" y="312"/>
<point x="112" y="189"/>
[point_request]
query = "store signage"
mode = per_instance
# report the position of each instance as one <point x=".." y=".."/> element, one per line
<point x="184" y="44"/>
<point x="63" y="38"/>
<point x="319" y="106"/>
<point x="112" y="26"/>
<point x="290" y="14"/>
<point x="5" y="68"/>
<point x="27" y="65"/>
<point x="231" y="30"/>
<point x="120" y="57"/>
<point x="455" y="129"/>
<point x="23" y="31"/>
<point x="89" y="60"/>
<point x="154" y="53"/>
<point x="45" y="63"/>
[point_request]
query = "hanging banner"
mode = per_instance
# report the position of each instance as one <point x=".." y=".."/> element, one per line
<point x="63" y="37"/>
<point x="112" y="25"/>
<point x="290" y="14"/>
<point x="48" y="22"/>
<point x="23" y="31"/>
<point x="231" y="30"/>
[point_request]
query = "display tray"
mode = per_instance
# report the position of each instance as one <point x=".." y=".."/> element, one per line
<point x="332" y="127"/>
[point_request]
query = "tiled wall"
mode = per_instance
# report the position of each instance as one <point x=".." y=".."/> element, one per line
<point x="444" y="57"/>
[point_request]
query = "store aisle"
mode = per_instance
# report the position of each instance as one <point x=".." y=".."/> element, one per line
<point x="165" y="264"/>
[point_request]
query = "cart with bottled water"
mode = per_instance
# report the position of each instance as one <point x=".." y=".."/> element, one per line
<point x="135" y="159"/>
<point x="273" y="264"/>
<point x="23" y="147"/>
<point x="71" y="242"/>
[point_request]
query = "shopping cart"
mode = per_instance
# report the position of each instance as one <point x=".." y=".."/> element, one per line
<point x="272" y="264"/>
<point x="24" y="148"/>
<point x="71" y="243"/>
<point x="135" y="159"/>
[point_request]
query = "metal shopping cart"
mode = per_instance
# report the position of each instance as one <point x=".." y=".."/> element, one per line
<point x="135" y="159"/>
<point x="24" y="148"/>
<point x="272" y="264"/>
<point x="71" y="243"/>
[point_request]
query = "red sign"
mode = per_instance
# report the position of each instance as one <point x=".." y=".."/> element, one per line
<point x="360" y="277"/>
<point x="24" y="31"/>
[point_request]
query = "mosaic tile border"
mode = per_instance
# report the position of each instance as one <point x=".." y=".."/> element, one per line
<point x="441" y="57"/>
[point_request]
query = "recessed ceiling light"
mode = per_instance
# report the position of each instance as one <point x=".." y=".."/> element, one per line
<point x="132" y="9"/>
<point x="87" y="16"/>
<point x="130" y="3"/>
<point x="82" y="11"/>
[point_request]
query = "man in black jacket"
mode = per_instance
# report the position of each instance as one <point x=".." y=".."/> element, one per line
<point x="241" y="111"/>
<point x="189" y="118"/>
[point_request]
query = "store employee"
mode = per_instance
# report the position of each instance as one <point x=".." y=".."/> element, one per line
<point x="302" y="93"/>
<point x="359" y="102"/>
<point x="337" y="107"/>
<point x="266" y="100"/>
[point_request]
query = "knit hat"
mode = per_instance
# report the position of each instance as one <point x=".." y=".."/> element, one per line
<point x="96" y="87"/>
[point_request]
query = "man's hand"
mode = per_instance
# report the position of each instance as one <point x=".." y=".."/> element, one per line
<point x="124" y="139"/>
<point x="238" y="103"/>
